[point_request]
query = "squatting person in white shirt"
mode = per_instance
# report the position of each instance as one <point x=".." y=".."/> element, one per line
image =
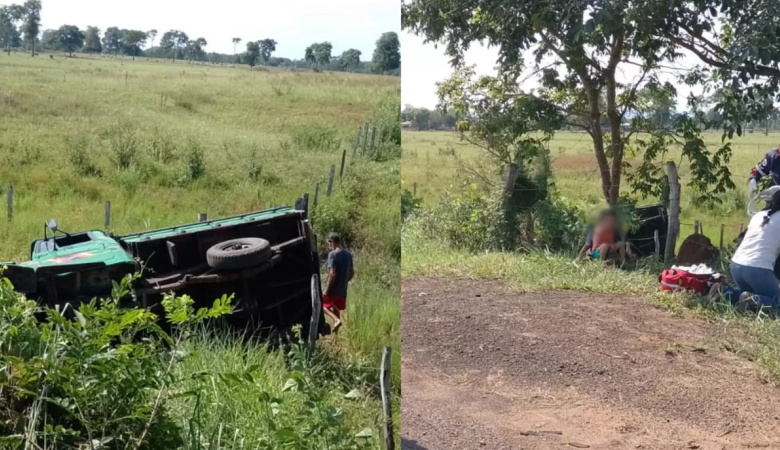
<point x="752" y="266"/>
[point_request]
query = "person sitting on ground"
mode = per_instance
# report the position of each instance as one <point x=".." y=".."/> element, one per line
<point x="340" y="273"/>
<point x="605" y="241"/>
<point x="752" y="266"/>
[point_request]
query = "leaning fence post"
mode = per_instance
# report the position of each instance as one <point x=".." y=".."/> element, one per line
<point x="657" y="243"/>
<point x="202" y="217"/>
<point x="343" y="160"/>
<point x="373" y="139"/>
<point x="108" y="215"/>
<point x="357" y="142"/>
<point x="384" y="381"/>
<point x="722" y="226"/>
<point x="674" y="211"/>
<point x="10" y="202"/>
<point x="305" y="206"/>
<point x="695" y="227"/>
<point x="316" y="193"/>
<point x="330" y="181"/>
<point x="365" y="140"/>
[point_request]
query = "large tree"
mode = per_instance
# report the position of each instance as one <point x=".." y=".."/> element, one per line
<point x="32" y="22"/>
<point x="319" y="53"/>
<point x="10" y="16"/>
<point x="350" y="60"/>
<point x="387" y="55"/>
<point x="92" y="42"/>
<point x="173" y="41"/>
<point x="152" y="35"/>
<point x="577" y="51"/>
<point x="236" y="41"/>
<point x="267" y="47"/>
<point x="70" y="38"/>
<point x="132" y="41"/>
<point x="252" y="53"/>
<point x="112" y="40"/>
<point x="197" y="48"/>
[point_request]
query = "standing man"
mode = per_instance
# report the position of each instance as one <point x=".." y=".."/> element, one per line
<point x="340" y="273"/>
<point x="769" y="166"/>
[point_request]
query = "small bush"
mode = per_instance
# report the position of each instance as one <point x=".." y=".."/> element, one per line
<point x="469" y="220"/>
<point x="332" y="214"/>
<point x="161" y="147"/>
<point x="559" y="224"/>
<point x="124" y="147"/>
<point x="254" y="169"/>
<point x="318" y="137"/>
<point x="80" y="158"/>
<point x="194" y="160"/>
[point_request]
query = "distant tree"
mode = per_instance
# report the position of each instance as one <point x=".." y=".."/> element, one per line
<point x="387" y="55"/>
<point x="350" y="60"/>
<point x="421" y="118"/>
<point x="10" y="16"/>
<point x="152" y="34"/>
<point x="32" y="22"/>
<point x="236" y="41"/>
<point x="319" y="53"/>
<point x="196" y="49"/>
<point x="252" y="53"/>
<point x="132" y="40"/>
<point x="92" y="40"/>
<point x="70" y="38"/>
<point x="50" y="41"/>
<point x="174" y="40"/>
<point x="267" y="46"/>
<point x="112" y="40"/>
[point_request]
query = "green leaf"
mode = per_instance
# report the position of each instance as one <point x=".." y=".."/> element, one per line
<point x="290" y="385"/>
<point x="365" y="433"/>
<point x="354" y="394"/>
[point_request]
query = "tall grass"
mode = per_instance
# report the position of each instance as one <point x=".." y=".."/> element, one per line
<point x="175" y="140"/>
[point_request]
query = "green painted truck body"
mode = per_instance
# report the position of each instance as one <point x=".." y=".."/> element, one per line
<point x="80" y="266"/>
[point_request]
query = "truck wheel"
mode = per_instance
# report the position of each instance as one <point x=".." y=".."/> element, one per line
<point x="239" y="254"/>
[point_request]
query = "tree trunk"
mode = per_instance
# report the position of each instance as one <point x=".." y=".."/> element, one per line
<point x="513" y="172"/>
<point x="617" y="141"/>
<point x="598" y="140"/>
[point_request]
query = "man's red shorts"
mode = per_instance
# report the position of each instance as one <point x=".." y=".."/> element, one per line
<point x="340" y="303"/>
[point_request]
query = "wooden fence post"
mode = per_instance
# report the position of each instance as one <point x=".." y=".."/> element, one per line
<point x="373" y="139"/>
<point x="330" y="181"/>
<point x="674" y="211"/>
<point x="513" y="171"/>
<point x="387" y="407"/>
<point x="202" y="217"/>
<point x="365" y="140"/>
<point x="108" y="215"/>
<point x="695" y="227"/>
<point x="343" y="160"/>
<point x="316" y="193"/>
<point x="722" y="226"/>
<point x="357" y="142"/>
<point x="10" y="202"/>
<point x="657" y="244"/>
<point x="305" y="206"/>
<point x="414" y="187"/>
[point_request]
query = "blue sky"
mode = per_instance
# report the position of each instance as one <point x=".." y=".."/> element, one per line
<point x="294" y="24"/>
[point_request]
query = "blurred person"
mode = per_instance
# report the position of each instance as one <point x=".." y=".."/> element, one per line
<point x="605" y="241"/>
<point x="340" y="273"/>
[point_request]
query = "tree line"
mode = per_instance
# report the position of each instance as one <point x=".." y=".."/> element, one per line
<point x="20" y="29"/>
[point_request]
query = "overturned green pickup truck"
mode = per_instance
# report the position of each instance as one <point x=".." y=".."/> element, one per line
<point x="267" y="259"/>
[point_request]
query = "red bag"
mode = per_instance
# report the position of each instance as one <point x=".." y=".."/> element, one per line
<point x="675" y="279"/>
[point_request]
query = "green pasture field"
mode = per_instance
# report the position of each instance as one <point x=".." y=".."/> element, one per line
<point x="427" y="161"/>
<point x="163" y="142"/>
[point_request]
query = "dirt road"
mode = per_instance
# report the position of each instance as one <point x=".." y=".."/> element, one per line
<point x="484" y="368"/>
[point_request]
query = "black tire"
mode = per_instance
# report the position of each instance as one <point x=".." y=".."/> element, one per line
<point x="239" y="254"/>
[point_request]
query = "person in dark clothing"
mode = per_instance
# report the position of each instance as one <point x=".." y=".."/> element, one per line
<point x="340" y="273"/>
<point x="769" y="166"/>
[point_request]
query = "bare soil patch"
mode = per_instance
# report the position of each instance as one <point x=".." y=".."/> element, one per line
<point x="484" y="367"/>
